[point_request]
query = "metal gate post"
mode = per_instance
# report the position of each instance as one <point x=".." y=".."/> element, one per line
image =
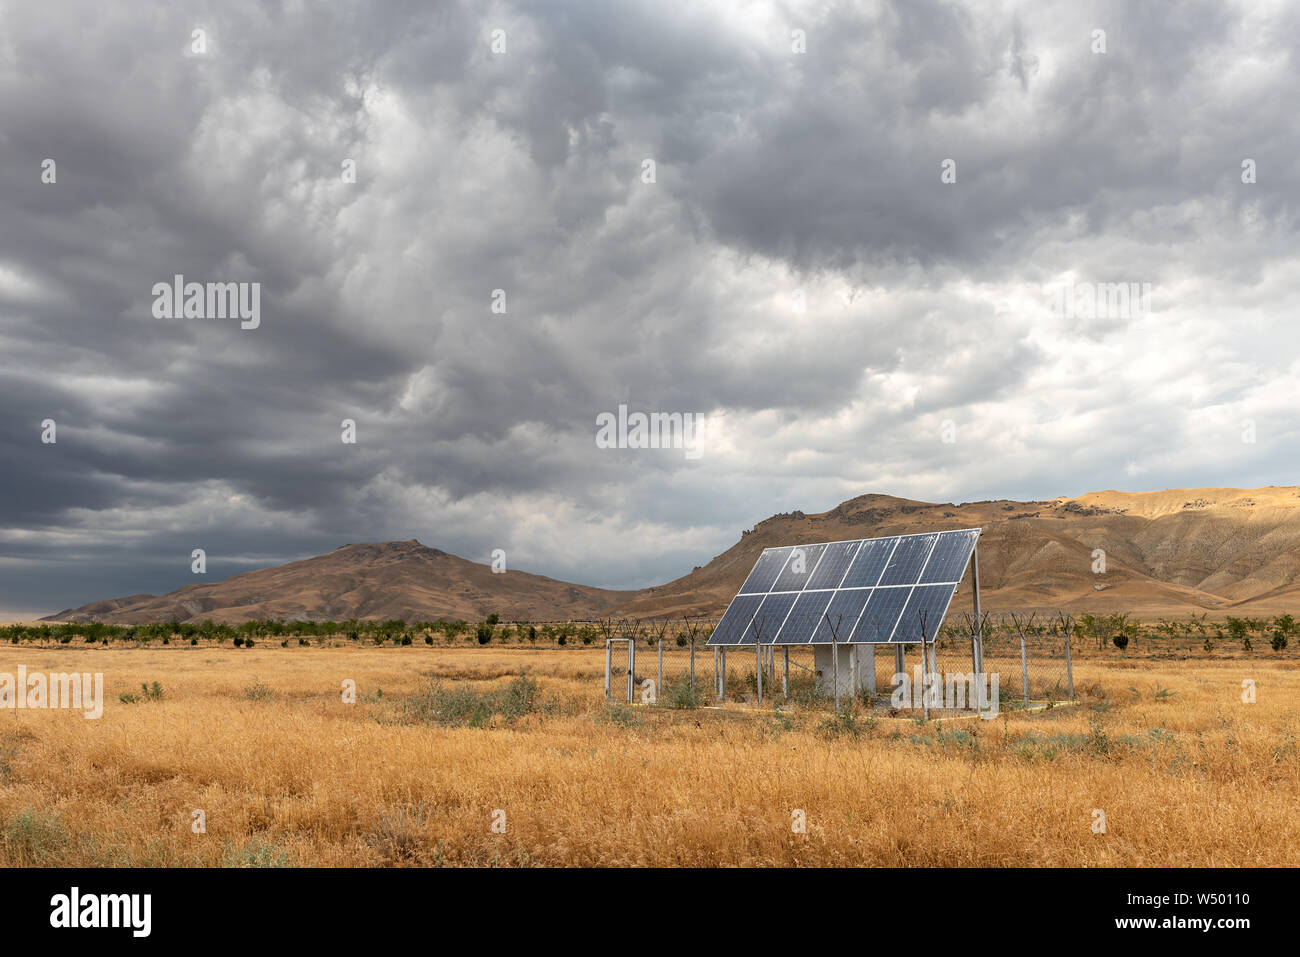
<point x="758" y="672"/>
<point x="659" y="688"/>
<point x="692" y="667"/>
<point x="609" y="665"/>
<point x="631" y="669"/>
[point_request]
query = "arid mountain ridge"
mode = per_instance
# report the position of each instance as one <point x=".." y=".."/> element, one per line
<point x="1179" y="551"/>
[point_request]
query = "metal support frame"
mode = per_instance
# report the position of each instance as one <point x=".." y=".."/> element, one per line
<point x="785" y="671"/>
<point x="758" y="672"/>
<point x="659" y="688"/>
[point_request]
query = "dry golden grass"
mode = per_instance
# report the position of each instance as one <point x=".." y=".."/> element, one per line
<point x="300" y="777"/>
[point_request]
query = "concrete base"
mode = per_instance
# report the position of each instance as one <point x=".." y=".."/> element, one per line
<point x="857" y="669"/>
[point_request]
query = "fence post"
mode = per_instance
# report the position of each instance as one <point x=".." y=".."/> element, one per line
<point x="692" y="667"/>
<point x="835" y="670"/>
<point x="609" y="666"/>
<point x="631" y="670"/>
<point x="925" y="691"/>
<point x="722" y="677"/>
<point x="1024" y="669"/>
<point x="785" y="671"/>
<point x="659" y="688"/>
<point x="1069" y="667"/>
<point x="758" y="672"/>
<point x="900" y="660"/>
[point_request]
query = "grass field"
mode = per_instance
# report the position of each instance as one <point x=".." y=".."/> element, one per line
<point x="440" y="739"/>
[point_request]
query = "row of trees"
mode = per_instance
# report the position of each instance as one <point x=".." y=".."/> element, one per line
<point x="249" y="633"/>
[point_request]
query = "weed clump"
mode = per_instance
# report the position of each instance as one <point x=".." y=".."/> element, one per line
<point x="462" y="706"/>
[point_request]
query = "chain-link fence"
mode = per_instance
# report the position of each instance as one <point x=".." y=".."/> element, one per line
<point x="994" y="663"/>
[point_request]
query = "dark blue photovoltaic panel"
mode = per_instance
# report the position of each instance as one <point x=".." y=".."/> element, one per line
<point x="949" y="559"/>
<point x="881" y="614"/>
<point x="930" y="601"/>
<point x="766" y="569"/>
<point x="799" y="568"/>
<point x="840" y="617"/>
<point x="869" y="563"/>
<point x="771" y="616"/>
<point x="805" y="614"/>
<point x="905" y="564"/>
<point x="872" y="590"/>
<point x="736" y="620"/>
<point x="835" y="562"/>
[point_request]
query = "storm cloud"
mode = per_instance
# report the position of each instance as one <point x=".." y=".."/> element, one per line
<point x="796" y="269"/>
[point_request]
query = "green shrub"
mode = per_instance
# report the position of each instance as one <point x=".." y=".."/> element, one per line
<point x="679" y="695"/>
<point x="461" y="705"/>
<point x="33" y="837"/>
<point x="256" y="853"/>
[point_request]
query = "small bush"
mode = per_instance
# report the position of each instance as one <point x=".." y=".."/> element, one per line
<point x="256" y="853"/>
<point x="258" y="691"/>
<point x="1120" y="642"/>
<point x="396" y="836"/>
<point x="148" y="692"/>
<point x="460" y="704"/>
<point x="239" y="641"/>
<point x="845" y="724"/>
<point x="679" y="695"/>
<point x="406" y="639"/>
<point x="34" y="837"/>
<point x="248" y="642"/>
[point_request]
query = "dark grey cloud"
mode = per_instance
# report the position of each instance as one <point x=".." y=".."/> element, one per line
<point x="781" y="178"/>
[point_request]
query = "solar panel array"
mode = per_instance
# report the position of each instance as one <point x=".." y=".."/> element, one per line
<point x="872" y="590"/>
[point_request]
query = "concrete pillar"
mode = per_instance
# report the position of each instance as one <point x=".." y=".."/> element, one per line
<point x="866" y="667"/>
<point x="825" y="668"/>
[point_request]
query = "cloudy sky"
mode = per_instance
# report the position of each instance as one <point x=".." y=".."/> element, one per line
<point x="848" y="253"/>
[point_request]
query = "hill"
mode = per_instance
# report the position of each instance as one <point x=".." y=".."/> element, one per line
<point x="384" y="580"/>
<point x="1223" y="551"/>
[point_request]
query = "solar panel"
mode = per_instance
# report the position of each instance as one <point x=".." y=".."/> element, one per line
<point x="871" y="590"/>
